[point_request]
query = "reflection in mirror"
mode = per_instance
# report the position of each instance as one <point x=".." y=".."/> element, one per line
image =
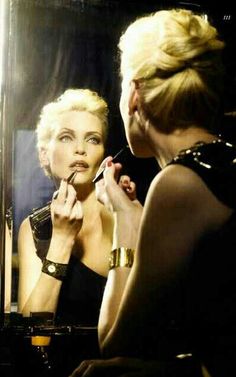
<point x="63" y="254"/>
<point x="62" y="46"/>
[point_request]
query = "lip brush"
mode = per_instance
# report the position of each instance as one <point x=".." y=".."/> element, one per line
<point x="70" y="179"/>
<point x="100" y="174"/>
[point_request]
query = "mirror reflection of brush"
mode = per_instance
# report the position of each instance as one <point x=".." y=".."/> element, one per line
<point x="71" y="177"/>
<point x="70" y="180"/>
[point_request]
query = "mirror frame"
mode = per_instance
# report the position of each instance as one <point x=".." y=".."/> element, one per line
<point x="101" y="83"/>
<point x="5" y="153"/>
<point x="6" y="138"/>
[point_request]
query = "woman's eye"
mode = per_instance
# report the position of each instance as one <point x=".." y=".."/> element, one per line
<point x="65" y="138"/>
<point x="94" y="140"/>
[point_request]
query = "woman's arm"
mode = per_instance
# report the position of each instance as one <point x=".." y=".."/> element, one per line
<point x="178" y="210"/>
<point x="37" y="290"/>
<point x="120" y="199"/>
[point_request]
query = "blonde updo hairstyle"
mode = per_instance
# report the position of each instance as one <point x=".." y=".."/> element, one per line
<point x="175" y="56"/>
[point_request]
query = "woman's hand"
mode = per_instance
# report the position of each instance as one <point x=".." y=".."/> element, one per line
<point x="66" y="211"/>
<point x="116" y="196"/>
<point x="119" y="367"/>
<point x="128" y="186"/>
<point x="120" y="198"/>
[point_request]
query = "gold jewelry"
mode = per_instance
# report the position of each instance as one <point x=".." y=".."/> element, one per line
<point x="56" y="270"/>
<point x="121" y="257"/>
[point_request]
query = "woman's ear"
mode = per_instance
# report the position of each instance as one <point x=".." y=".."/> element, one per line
<point x="43" y="158"/>
<point x="134" y="97"/>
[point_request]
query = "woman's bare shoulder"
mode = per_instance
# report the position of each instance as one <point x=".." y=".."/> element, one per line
<point x="177" y="175"/>
<point x="25" y="226"/>
<point x="25" y="236"/>
<point x="178" y="187"/>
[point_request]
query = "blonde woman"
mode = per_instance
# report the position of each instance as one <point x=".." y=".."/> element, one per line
<point x="63" y="266"/>
<point x="183" y="274"/>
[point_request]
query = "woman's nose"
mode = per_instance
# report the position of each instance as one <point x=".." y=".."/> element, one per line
<point x="80" y="148"/>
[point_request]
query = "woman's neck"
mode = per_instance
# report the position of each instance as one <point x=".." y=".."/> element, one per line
<point x="166" y="146"/>
<point x="86" y="195"/>
<point x="85" y="192"/>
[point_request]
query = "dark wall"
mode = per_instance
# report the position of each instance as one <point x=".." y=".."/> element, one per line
<point x="57" y="44"/>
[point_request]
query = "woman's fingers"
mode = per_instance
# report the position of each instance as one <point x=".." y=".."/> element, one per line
<point x="62" y="192"/>
<point x="112" y="171"/>
<point x="99" y="174"/>
<point x="70" y="198"/>
<point x="77" y="211"/>
<point x="65" y="204"/>
<point x="128" y="186"/>
<point x="115" y="196"/>
<point x="55" y="195"/>
<point x="65" y="195"/>
<point x="110" y="367"/>
<point x="82" y="368"/>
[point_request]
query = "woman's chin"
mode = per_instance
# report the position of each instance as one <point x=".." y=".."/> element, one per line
<point x="140" y="150"/>
<point x="82" y="183"/>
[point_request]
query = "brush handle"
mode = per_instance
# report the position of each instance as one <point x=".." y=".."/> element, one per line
<point x="114" y="159"/>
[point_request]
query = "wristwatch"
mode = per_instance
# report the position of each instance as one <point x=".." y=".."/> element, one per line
<point x="56" y="270"/>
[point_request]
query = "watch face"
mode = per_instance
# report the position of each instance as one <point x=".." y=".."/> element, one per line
<point x="56" y="270"/>
<point x="51" y="268"/>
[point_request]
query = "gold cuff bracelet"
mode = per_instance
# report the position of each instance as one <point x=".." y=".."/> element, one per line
<point x="121" y="257"/>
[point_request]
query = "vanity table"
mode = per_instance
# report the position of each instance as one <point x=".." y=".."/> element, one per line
<point x="32" y="347"/>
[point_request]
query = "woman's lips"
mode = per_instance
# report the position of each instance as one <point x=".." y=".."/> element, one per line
<point x="79" y="166"/>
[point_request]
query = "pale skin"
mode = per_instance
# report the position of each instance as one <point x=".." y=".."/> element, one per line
<point x="177" y="200"/>
<point x="80" y="222"/>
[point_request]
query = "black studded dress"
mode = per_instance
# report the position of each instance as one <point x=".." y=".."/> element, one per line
<point x="82" y="289"/>
<point x="209" y="296"/>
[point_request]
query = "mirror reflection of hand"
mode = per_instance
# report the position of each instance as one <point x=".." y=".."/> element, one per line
<point x="66" y="211"/>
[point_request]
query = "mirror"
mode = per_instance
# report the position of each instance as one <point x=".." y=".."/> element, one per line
<point x="55" y="45"/>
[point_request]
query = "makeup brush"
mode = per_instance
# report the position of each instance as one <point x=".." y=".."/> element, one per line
<point x="114" y="159"/>
<point x="70" y="179"/>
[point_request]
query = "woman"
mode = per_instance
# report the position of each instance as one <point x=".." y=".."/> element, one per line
<point x="64" y="270"/>
<point x="183" y="279"/>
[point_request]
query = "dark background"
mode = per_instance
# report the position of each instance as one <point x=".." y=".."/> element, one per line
<point x="63" y="43"/>
<point x="58" y="44"/>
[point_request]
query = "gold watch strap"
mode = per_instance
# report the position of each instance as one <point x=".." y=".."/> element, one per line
<point x="121" y="257"/>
